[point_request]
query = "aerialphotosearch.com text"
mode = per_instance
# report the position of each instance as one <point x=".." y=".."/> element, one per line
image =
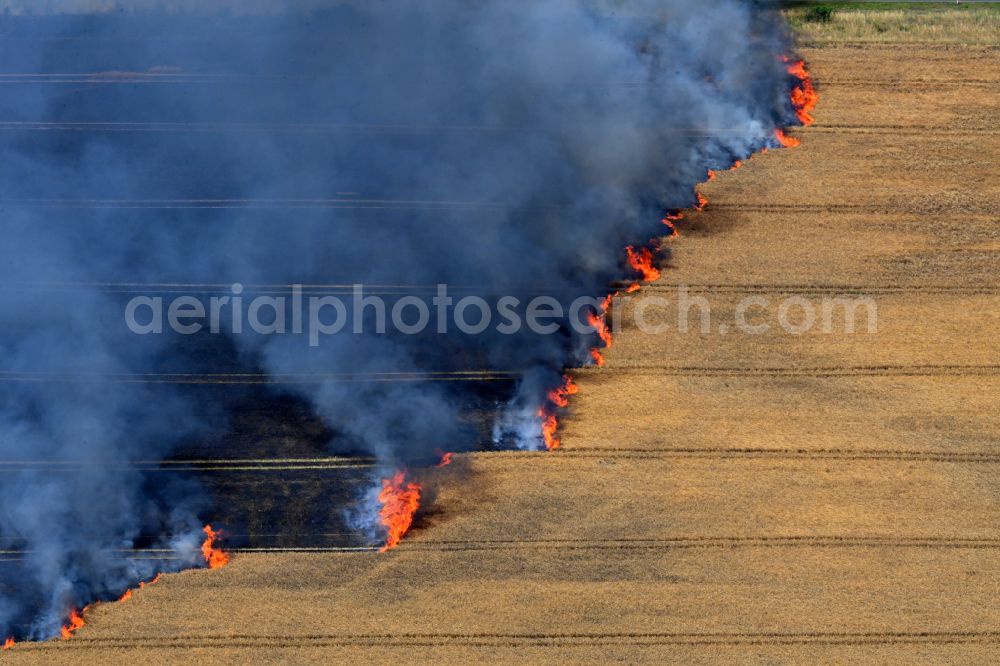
<point x="368" y="310"/>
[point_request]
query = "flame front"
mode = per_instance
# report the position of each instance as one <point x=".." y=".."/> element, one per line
<point x="669" y="219"/>
<point x="214" y="556"/>
<point x="557" y="398"/>
<point x="128" y="593"/>
<point x="400" y="500"/>
<point x="74" y="623"/>
<point x="598" y="357"/>
<point x="804" y="95"/>
<point x="8" y="644"/>
<point x="598" y="321"/>
<point x="641" y="262"/>
<point x="550" y="424"/>
<point x="560" y="396"/>
<point x="785" y="140"/>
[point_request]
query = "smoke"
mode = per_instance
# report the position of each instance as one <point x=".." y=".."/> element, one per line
<point x="502" y="148"/>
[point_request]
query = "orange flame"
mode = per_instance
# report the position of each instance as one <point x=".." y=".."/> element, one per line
<point x="400" y="501"/>
<point x="736" y="165"/>
<point x="785" y="140"/>
<point x="142" y="584"/>
<point x="599" y="322"/>
<point x="669" y="219"/>
<point x="598" y="357"/>
<point x="632" y="288"/>
<point x="446" y="457"/>
<point x="74" y="624"/>
<point x="642" y="262"/>
<point x="215" y="557"/>
<point x="76" y="621"/>
<point x="711" y="175"/>
<point x="557" y="398"/>
<point x="804" y="95"/>
<point x="7" y="644"/>
<point x="702" y="201"/>
<point x="560" y="396"/>
<point x="549" y="427"/>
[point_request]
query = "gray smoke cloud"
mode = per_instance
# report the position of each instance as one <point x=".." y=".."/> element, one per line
<point x="498" y="147"/>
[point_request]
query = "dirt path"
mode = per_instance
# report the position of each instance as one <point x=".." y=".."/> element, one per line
<point x="820" y="497"/>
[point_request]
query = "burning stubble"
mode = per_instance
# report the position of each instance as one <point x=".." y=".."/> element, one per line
<point x="477" y="164"/>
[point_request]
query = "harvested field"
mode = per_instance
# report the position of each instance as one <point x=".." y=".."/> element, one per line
<point x="720" y="496"/>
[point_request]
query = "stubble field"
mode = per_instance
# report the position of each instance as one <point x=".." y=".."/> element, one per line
<point x="720" y="496"/>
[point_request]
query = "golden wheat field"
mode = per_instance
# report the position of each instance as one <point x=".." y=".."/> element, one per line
<point x="719" y="496"/>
